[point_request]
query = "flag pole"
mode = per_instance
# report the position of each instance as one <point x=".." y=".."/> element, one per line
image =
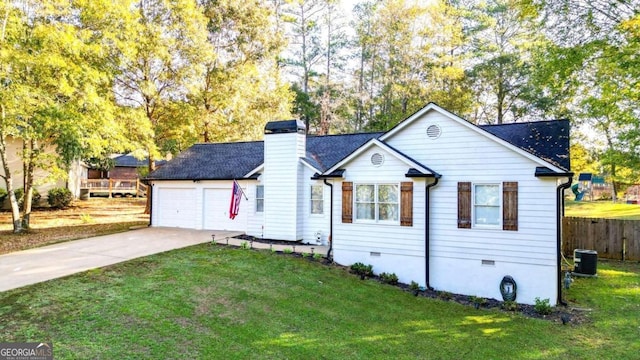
<point x="242" y="191"/>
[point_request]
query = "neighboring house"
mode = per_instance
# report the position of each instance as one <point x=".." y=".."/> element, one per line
<point x="436" y="199"/>
<point x="42" y="178"/>
<point x="125" y="167"/>
<point x="594" y="187"/>
<point x="632" y="194"/>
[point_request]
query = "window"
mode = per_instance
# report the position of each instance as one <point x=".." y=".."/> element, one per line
<point x="486" y="205"/>
<point x="317" y="204"/>
<point x="491" y="205"/>
<point x="260" y="198"/>
<point x="377" y="202"/>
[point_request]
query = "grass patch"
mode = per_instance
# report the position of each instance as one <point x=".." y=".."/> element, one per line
<point x="208" y="301"/>
<point x="602" y="209"/>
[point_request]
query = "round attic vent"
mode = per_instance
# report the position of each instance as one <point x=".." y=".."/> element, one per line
<point x="434" y="131"/>
<point x="377" y="159"/>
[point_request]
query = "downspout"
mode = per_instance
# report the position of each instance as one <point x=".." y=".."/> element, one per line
<point x="426" y="230"/>
<point x="330" y="237"/>
<point x="560" y="214"/>
<point x="150" y="204"/>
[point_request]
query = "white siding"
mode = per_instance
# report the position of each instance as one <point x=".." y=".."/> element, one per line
<point x="282" y="186"/>
<point x="314" y="223"/>
<point x="459" y="154"/>
<point x="255" y="219"/>
<point x="389" y="248"/>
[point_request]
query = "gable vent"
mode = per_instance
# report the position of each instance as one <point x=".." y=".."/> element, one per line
<point x="434" y="132"/>
<point x="377" y="159"/>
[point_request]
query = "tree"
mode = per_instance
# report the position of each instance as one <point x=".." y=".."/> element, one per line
<point x="159" y="56"/>
<point x="55" y="92"/>
<point x="408" y="54"/>
<point x="594" y="51"/>
<point x="239" y="89"/>
<point x="501" y="34"/>
<point x="304" y="18"/>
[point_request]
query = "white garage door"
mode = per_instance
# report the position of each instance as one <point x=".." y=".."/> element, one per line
<point x="216" y="211"/>
<point x="176" y="207"/>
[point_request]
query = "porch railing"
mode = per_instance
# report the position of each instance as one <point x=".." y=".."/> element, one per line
<point x="114" y="187"/>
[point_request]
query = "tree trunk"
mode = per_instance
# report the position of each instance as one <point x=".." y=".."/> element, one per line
<point x="30" y="148"/>
<point x="8" y="178"/>
<point x="152" y="167"/>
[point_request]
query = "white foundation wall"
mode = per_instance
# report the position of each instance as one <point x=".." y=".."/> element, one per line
<point x="471" y="277"/>
<point x="408" y="268"/>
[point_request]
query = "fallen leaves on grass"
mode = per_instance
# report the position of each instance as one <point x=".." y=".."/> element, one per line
<point x="85" y="218"/>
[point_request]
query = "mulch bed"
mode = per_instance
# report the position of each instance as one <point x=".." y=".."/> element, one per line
<point x="564" y="315"/>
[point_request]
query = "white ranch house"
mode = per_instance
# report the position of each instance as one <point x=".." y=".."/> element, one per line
<point x="436" y="199"/>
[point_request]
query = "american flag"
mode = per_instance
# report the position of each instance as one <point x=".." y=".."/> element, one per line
<point x="236" y="196"/>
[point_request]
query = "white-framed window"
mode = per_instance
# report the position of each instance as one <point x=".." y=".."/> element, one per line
<point x="259" y="198"/>
<point x="317" y="201"/>
<point x="377" y="202"/>
<point x="487" y="210"/>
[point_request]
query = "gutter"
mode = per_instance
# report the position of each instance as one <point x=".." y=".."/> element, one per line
<point x="330" y="237"/>
<point x="560" y="214"/>
<point x="426" y="229"/>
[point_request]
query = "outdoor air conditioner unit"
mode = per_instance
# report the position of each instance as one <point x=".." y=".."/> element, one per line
<point x="585" y="262"/>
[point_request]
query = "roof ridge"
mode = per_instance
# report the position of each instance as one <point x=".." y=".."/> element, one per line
<point x="230" y="142"/>
<point x="347" y="134"/>
<point x="523" y="122"/>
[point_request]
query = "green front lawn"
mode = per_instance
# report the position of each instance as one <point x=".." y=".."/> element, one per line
<point x="602" y="209"/>
<point x="216" y="302"/>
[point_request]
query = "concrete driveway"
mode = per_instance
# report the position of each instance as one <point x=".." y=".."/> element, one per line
<point x="49" y="262"/>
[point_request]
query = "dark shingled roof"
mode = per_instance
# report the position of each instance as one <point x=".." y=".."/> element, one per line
<point x="585" y="177"/>
<point x="326" y="151"/>
<point x="223" y="161"/>
<point x="548" y="140"/>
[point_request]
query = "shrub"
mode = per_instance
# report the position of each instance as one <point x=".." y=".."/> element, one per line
<point x="510" y="305"/>
<point x="20" y="196"/>
<point x="244" y="245"/>
<point x="59" y="198"/>
<point x="414" y="287"/>
<point x="3" y="195"/>
<point x="477" y="301"/>
<point x="287" y="251"/>
<point x="317" y="256"/>
<point x="445" y="295"/>
<point x="387" y="278"/>
<point x="362" y="269"/>
<point x="542" y="307"/>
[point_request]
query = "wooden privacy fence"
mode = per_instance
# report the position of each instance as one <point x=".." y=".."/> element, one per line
<point x="612" y="239"/>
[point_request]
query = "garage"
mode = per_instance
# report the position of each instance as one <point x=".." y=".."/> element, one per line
<point x="176" y="207"/>
<point x="216" y="211"/>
